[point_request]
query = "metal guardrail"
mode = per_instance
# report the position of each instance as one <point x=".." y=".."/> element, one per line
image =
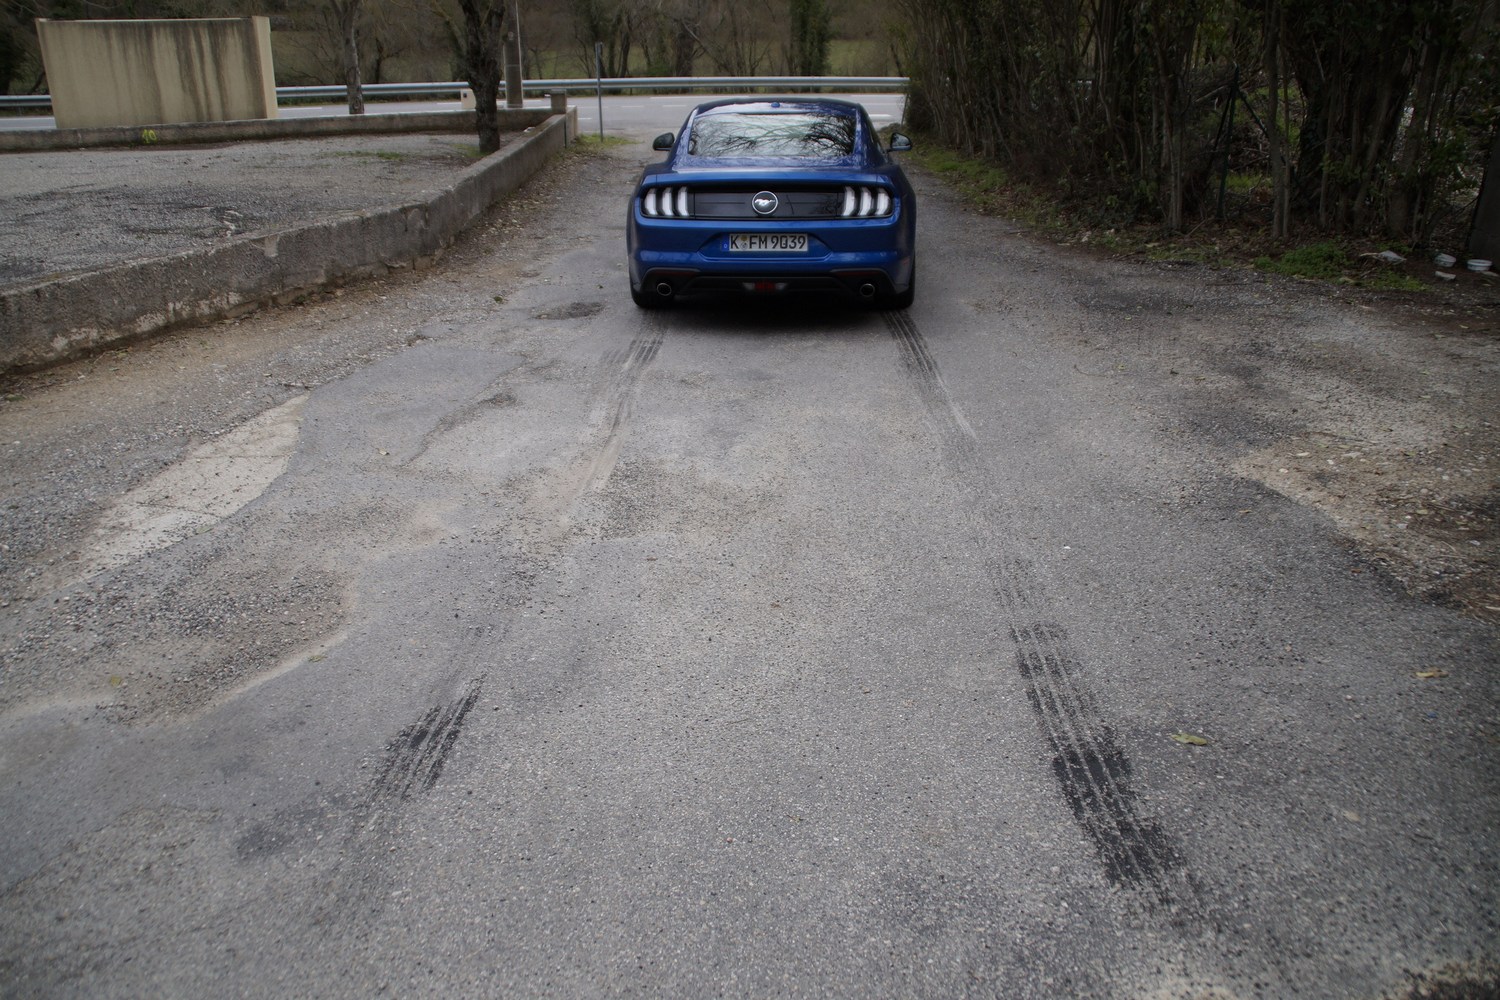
<point x="589" y="84"/>
<point x="337" y="91"/>
<point x="615" y="84"/>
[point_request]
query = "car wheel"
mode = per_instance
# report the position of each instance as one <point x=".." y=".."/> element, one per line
<point x="902" y="300"/>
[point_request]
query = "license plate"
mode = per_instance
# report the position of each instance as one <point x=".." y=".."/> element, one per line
<point x="774" y="242"/>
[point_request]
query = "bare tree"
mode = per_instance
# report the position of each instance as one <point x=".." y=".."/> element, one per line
<point x="686" y="18"/>
<point x="346" y="14"/>
<point x="1281" y="184"/>
<point x="665" y="30"/>
<point x="610" y="23"/>
<point x="482" y="56"/>
<point x="476" y="35"/>
<point x="811" y="24"/>
<point x="738" y="36"/>
<point x="1374" y="110"/>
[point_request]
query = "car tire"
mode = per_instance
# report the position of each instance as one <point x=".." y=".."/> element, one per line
<point x="902" y="300"/>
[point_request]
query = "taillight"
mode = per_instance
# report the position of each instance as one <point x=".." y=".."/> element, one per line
<point x="866" y="202"/>
<point x="666" y="203"/>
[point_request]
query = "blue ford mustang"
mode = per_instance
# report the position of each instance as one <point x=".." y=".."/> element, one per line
<point x="770" y="196"/>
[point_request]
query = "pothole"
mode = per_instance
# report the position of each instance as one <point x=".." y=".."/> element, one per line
<point x="573" y="310"/>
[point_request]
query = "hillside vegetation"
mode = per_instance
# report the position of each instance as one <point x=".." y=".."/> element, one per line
<point x="1350" y="116"/>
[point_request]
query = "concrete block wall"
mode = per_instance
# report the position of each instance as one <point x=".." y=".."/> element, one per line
<point x="103" y="73"/>
<point x="52" y="321"/>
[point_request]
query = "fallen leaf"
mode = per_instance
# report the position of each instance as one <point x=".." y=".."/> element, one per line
<point x="1190" y="740"/>
<point x="1430" y="675"/>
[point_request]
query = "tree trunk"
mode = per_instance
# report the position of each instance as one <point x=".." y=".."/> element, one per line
<point x="1280" y="193"/>
<point x="1484" y="234"/>
<point x="810" y="35"/>
<point x="346" y="12"/>
<point x="1174" y="32"/>
<point x="684" y="48"/>
<point x="483" y="21"/>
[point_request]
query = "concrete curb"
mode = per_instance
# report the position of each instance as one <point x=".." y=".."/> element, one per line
<point x="51" y="139"/>
<point x="51" y="321"/>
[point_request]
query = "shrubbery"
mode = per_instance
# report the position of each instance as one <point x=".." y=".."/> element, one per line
<point x="1364" y="115"/>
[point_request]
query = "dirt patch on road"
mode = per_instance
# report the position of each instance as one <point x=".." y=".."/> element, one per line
<point x="89" y="486"/>
<point x="1390" y="426"/>
<point x="1392" y="435"/>
<point x="1425" y="514"/>
<point x="1379" y="409"/>
<point x="1402" y="450"/>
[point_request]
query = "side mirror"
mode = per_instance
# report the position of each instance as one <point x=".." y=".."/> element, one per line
<point x="900" y="143"/>
<point x="663" y="141"/>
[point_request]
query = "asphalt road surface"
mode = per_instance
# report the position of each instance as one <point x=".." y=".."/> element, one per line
<point x="473" y="633"/>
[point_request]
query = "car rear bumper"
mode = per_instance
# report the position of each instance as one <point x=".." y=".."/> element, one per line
<point x="863" y="283"/>
<point x="693" y="255"/>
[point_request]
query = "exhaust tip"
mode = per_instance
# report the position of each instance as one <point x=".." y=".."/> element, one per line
<point x="664" y="289"/>
<point x="867" y="290"/>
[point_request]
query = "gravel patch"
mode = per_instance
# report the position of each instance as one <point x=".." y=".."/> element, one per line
<point x="66" y="212"/>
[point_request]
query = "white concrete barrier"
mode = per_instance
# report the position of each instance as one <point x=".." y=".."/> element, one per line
<point x="152" y="72"/>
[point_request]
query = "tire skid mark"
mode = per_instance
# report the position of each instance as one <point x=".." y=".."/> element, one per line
<point x="619" y="396"/>
<point x="643" y="349"/>
<point x="1092" y="769"/>
<point x="619" y="401"/>
<point x="412" y="764"/>
<point x="954" y="431"/>
<point x="640" y="352"/>
<point x="414" y="759"/>
<point x="458" y="418"/>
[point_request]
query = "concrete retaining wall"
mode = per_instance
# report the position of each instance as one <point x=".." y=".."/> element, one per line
<point x="49" y="322"/>
<point x="103" y="73"/>
<point x="43" y="140"/>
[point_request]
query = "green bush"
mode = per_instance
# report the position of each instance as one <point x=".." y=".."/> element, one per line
<point x="1324" y="260"/>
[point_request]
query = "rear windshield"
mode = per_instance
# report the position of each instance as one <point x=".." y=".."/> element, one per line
<point x="815" y="135"/>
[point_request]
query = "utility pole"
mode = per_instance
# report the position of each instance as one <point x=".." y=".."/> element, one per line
<point x="513" y="57"/>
